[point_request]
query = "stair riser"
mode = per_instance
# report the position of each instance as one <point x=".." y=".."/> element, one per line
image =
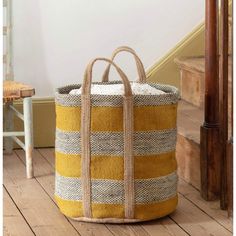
<point x="188" y="159"/>
<point x="193" y="87"/>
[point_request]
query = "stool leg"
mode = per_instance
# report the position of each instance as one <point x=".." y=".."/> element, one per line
<point x="28" y="127"/>
<point x="9" y="126"/>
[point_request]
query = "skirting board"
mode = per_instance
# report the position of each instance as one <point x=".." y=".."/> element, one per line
<point x="44" y="119"/>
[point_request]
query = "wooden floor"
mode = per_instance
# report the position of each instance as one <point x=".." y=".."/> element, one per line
<point x="30" y="208"/>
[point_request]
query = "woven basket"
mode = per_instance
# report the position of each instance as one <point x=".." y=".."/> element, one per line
<point x="115" y="155"/>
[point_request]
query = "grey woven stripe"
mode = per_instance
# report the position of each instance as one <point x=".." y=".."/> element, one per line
<point x="107" y="191"/>
<point x="112" y="191"/>
<point x="68" y="188"/>
<point x="155" y="190"/>
<point x="111" y="143"/>
<point x="63" y="97"/>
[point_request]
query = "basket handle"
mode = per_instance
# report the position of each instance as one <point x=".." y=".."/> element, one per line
<point x="86" y="142"/>
<point x="86" y="86"/>
<point x="139" y="64"/>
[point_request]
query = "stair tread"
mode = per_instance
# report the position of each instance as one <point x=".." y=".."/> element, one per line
<point x="189" y="120"/>
<point x="196" y="63"/>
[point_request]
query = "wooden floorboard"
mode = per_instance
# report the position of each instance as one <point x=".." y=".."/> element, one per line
<point x="32" y="201"/>
<point x="164" y="227"/>
<point x="44" y="173"/>
<point x="13" y="222"/>
<point x="36" y="206"/>
<point x="211" y="208"/>
<point x="195" y="221"/>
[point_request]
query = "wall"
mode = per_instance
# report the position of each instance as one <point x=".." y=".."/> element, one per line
<point x="54" y="40"/>
<point x="165" y="70"/>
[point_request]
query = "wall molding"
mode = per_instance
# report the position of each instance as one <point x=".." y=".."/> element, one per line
<point x="44" y="119"/>
<point x="46" y="100"/>
<point x="175" y="51"/>
<point x="164" y="69"/>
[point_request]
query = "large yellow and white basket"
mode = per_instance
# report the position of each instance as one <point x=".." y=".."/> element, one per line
<point x="115" y="155"/>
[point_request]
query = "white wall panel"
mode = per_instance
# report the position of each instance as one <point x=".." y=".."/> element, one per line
<point x="53" y="40"/>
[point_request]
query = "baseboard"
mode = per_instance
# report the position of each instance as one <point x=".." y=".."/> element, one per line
<point x="44" y="119"/>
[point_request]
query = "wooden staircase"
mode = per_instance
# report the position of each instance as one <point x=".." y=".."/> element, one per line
<point x="190" y="117"/>
<point x="191" y="113"/>
<point x="188" y="142"/>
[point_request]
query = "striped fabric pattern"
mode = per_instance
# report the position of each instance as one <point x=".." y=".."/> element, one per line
<point x="112" y="191"/>
<point x="154" y="141"/>
<point x="111" y="143"/>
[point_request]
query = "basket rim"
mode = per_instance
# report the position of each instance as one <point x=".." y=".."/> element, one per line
<point x="168" y="89"/>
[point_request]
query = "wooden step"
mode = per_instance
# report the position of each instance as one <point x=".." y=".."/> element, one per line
<point x="190" y="118"/>
<point x="192" y="79"/>
<point x="192" y="83"/>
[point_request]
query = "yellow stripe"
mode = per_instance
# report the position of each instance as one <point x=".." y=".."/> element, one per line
<point x="112" y="167"/>
<point x="155" y="117"/>
<point x="154" y="166"/>
<point x="70" y="208"/>
<point x="107" y="167"/>
<point x="108" y="210"/>
<point x="68" y="165"/>
<point x="155" y="210"/>
<point x="142" y="211"/>
<point x="111" y="118"/>
<point x="68" y="118"/>
<point x="102" y="167"/>
<point x="107" y="119"/>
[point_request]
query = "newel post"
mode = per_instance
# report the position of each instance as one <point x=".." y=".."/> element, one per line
<point x="210" y="139"/>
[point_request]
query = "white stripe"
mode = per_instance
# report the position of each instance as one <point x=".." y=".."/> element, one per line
<point x="111" y="143"/>
<point x="112" y="191"/>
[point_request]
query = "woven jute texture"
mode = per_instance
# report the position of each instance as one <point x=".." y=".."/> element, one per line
<point x="115" y="155"/>
<point x="13" y="90"/>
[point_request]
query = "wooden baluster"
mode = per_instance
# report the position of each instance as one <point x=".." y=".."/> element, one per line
<point x="230" y="151"/>
<point x="210" y="140"/>
<point x="230" y="159"/>
<point x="230" y="177"/>
<point x="224" y="39"/>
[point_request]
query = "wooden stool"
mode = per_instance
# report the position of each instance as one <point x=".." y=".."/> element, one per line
<point x="13" y="91"/>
